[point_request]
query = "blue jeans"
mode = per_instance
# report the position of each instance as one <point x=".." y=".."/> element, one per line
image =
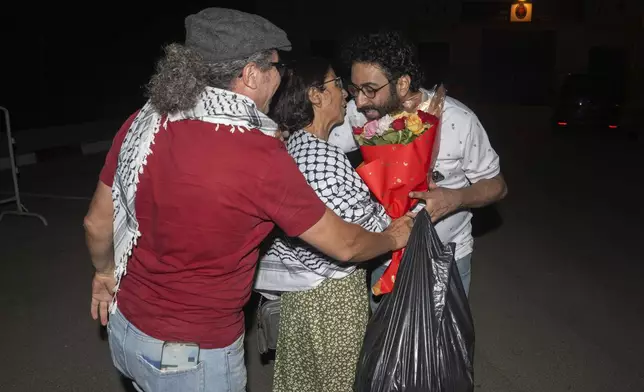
<point x="464" y="265"/>
<point x="138" y="356"/>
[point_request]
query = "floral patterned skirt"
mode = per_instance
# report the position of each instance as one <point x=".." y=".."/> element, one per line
<point x="320" y="337"/>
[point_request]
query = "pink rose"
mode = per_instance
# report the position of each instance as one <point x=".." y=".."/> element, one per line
<point x="370" y="129"/>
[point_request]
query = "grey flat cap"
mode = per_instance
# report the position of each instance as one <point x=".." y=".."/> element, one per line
<point x="221" y="34"/>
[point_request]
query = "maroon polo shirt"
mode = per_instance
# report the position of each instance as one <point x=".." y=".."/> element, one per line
<point x="205" y="201"/>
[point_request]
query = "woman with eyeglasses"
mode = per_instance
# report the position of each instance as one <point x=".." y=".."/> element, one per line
<point x="324" y="303"/>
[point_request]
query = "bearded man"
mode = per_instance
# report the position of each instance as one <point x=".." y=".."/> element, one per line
<point x="385" y="79"/>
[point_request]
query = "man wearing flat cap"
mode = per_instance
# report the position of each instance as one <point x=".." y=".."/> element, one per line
<point x="194" y="182"/>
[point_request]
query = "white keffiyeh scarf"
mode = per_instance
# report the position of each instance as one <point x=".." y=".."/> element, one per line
<point x="214" y="106"/>
<point x="292" y="265"/>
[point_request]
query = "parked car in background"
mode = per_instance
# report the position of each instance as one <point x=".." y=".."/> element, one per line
<point x="591" y="102"/>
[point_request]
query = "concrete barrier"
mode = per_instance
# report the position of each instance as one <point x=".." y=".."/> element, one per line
<point x="37" y="145"/>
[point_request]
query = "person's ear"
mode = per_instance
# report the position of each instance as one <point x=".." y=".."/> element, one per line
<point x="316" y="97"/>
<point x="251" y="75"/>
<point x="403" y="86"/>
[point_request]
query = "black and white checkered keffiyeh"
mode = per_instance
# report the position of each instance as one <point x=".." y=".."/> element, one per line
<point x="292" y="265"/>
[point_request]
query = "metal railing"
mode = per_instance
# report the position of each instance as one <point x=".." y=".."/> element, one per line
<point x="20" y="209"/>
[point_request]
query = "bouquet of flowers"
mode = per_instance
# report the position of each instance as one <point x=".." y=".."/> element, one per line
<point x="399" y="152"/>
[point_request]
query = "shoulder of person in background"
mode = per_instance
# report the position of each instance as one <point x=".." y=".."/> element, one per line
<point x="342" y="135"/>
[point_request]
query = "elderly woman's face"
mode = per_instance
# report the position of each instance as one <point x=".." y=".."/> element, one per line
<point x="337" y="98"/>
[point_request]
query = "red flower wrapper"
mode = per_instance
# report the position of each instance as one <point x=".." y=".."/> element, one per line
<point x="392" y="170"/>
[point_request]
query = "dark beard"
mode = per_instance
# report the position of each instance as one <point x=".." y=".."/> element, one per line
<point x="393" y="105"/>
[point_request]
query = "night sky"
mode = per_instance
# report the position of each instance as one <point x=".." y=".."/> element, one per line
<point x="65" y="64"/>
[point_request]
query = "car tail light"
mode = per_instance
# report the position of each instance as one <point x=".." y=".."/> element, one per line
<point x="612" y="126"/>
<point x="562" y="123"/>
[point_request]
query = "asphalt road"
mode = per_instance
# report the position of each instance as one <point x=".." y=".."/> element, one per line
<point x="556" y="291"/>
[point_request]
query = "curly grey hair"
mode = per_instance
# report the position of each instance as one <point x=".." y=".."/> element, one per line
<point x="182" y="75"/>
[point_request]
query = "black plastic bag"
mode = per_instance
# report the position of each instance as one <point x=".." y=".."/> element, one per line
<point x="421" y="337"/>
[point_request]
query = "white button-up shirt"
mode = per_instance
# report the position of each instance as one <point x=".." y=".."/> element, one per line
<point x="465" y="157"/>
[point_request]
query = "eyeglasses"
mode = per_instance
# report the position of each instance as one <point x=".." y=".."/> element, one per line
<point x="368" y="91"/>
<point x="337" y="81"/>
<point x="280" y="67"/>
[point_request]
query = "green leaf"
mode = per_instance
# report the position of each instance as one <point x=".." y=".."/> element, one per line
<point x="392" y="137"/>
<point x="381" y="141"/>
<point x="369" y="142"/>
<point x="409" y="136"/>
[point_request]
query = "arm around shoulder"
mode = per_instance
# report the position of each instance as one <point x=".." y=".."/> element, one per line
<point x="291" y="203"/>
<point x="351" y="243"/>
